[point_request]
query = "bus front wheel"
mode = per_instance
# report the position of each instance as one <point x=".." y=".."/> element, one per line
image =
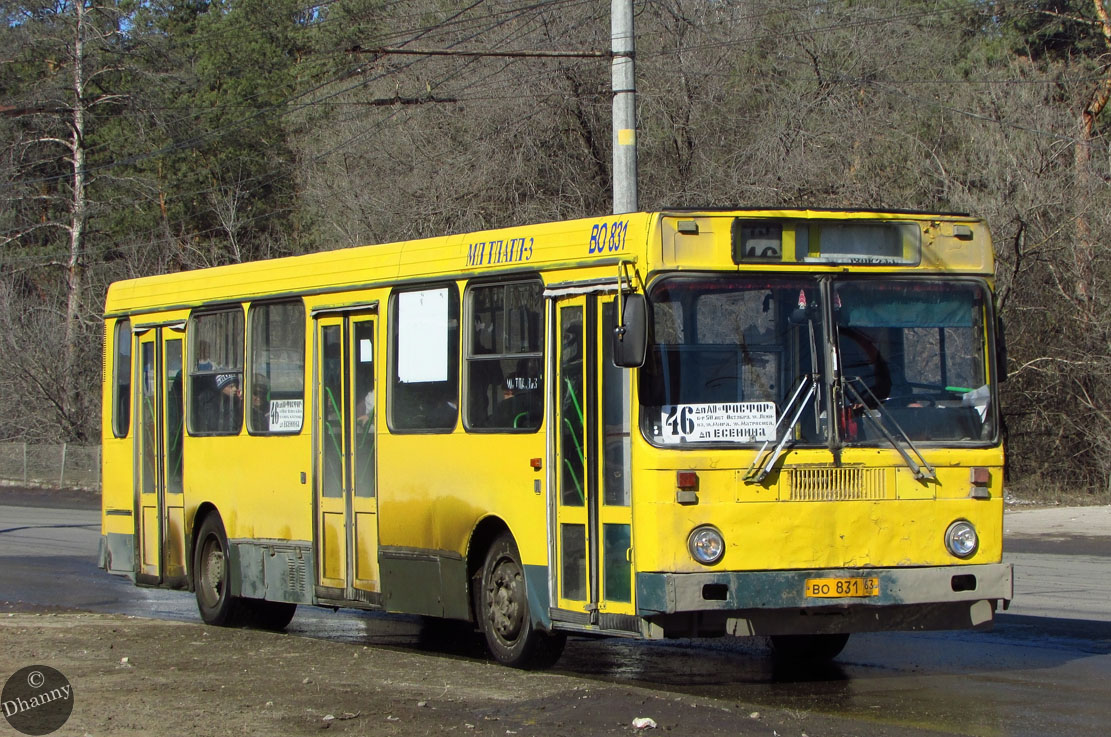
<point x="211" y="576"/>
<point x="503" y="612"/>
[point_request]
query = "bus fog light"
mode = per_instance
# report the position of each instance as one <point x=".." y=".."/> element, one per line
<point x="706" y="545"/>
<point x="961" y="539"/>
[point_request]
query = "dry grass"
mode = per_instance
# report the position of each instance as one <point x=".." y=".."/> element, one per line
<point x="1042" y="492"/>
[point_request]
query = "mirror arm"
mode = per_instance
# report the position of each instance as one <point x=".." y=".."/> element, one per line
<point x="628" y="282"/>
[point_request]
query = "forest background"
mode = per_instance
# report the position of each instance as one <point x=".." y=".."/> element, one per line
<point x="146" y="136"/>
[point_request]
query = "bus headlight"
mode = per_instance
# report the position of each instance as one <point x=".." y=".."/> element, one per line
<point x="706" y="545"/>
<point x="961" y="539"/>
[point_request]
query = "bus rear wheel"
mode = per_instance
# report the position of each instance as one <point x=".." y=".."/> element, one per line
<point x="503" y="612"/>
<point x="212" y="579"/>
<point x="808" y="648"/>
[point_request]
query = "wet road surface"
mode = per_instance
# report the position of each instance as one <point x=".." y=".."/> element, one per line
<point x="1043" y="670"/>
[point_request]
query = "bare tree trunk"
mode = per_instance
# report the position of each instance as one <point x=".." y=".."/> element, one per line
<point x="1082" y="160"/>
<point x="78" y="218"/>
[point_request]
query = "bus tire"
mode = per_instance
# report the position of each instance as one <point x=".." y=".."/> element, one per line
<point x="212" y="577"/>
<point x="808" y="648"/>
<point x="503" y="612"/>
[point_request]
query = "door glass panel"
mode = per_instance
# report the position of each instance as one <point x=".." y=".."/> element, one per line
<point x="618" y="573"/>
<point x="331" y="402"/>
<point x="572" y="429"/>
<point x="174" y="417"/>
<point x="363" y="369"/>
<point x="573" y="574"/>
<point x="615" y="431"/>
<point x="149" y="450"/>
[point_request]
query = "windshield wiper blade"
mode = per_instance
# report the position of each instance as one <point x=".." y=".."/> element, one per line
<point x="809" y="385"/>
<point x="916" y="467"/>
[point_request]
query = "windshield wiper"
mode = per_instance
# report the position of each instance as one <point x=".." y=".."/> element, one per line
<point x="807" y="387"/>
<point x="921" y="469"/>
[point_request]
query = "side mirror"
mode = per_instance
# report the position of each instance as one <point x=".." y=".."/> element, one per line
<point x="630" y="333"/>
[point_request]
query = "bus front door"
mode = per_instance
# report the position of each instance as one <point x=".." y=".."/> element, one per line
<point x="346" y="519"/>
<point x="592" y="573"/>
<point x="159" y="423"/>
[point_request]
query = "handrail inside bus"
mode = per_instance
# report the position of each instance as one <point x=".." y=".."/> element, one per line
<point x="575" y="438"/>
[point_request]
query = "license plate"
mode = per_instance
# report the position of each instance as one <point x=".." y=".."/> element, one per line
<point x="835" y="588"/>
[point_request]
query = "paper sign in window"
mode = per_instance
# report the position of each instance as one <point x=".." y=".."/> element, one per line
<point x="286" y="414"/>
<point x="422" y="340"/>
<point x="738" y="422"/>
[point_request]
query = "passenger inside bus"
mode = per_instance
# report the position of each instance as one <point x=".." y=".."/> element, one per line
<point x="217" y="403"/>
<point x="260" y="404"/>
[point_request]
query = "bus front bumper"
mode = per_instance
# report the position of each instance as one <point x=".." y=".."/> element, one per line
<point x="822" y="601"/>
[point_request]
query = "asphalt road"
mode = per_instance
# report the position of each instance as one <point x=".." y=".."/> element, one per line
<point x="1043" y="670"/>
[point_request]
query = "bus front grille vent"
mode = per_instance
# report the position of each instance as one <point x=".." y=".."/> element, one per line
<point x="836" y="484"/>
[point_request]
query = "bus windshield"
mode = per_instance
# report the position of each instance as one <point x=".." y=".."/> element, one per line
<point x="739" y="359"/>
<point x="913" y="358"/>
<point x="728" y="355"/>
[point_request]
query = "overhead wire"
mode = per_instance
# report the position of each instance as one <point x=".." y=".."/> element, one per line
<point x="481" y="89"/>
<point x="263" y="179"/>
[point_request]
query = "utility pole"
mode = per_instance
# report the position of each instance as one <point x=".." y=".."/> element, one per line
<point x="624" y="108"/>
<point x="623" y="85"/>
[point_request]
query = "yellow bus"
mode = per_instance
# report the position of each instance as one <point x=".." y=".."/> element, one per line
<point x="777" y="423"/>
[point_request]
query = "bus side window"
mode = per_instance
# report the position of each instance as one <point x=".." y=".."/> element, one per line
<point x="424" y="360"/>
<point x="121" y="418"/>
<point x="505" y="388"/>
<point x="276" y="367"/>
<point x="216" y="373"/>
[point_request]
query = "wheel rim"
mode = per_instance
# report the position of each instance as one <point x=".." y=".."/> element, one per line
<point x="505" y="601"/>
<point x="212" y="572"/>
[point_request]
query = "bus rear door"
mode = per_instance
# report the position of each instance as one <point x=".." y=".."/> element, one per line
<point x="159" y="424"/>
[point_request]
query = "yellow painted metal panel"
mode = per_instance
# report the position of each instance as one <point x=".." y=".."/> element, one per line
<point x="782" y="535"/>
<point x="434" y="489"/>
<point x="333" y="554"/>
<point x="255" y="482"/>
<point x="149" y="543"/>
<point x="175" y="541"/>
<point x="116" y="493"/>
<point x="366" y="551"/>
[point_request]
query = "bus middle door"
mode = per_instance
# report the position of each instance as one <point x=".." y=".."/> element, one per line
<point x="345" y="538"/>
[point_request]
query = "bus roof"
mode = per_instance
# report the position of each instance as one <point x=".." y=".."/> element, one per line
<point x="566" y="244"/>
